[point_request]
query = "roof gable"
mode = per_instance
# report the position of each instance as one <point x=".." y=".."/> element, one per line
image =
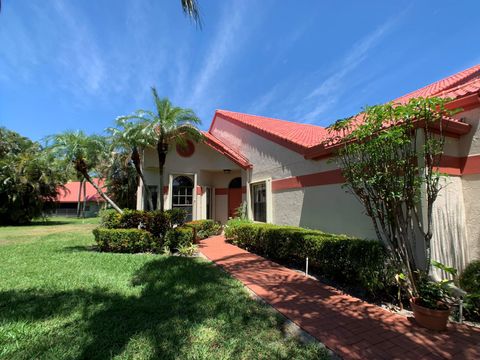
<point x="295" y="136"/>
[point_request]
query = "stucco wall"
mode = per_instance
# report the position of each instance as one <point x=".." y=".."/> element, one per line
<point x="269" y="159"/>
<point x="449" y="241"/>
<point x="471" y="196"/>
<point x="470" y="146"/>
<point x="328" y="208"/>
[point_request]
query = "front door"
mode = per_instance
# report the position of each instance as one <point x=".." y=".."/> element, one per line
<point x="234" y="196"/>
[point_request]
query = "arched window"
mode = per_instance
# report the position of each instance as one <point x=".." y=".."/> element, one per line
<point x="182" y="194"/>
<point x="235" y="183"/>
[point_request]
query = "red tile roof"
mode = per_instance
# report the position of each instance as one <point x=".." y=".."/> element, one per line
<point x="296" y="136"/>
<point x="461" y="84"/>
<point x="224" y="149"/>
<point x="310" y="140"/>
<point x="70" y="194"/>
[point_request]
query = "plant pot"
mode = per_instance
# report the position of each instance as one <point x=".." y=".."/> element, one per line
<point x="429" y="318"/>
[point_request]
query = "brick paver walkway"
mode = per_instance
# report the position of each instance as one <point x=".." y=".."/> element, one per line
<point x="350" y="327"/>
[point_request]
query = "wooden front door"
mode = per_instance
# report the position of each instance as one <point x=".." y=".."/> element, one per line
<point x="234" y="201"/>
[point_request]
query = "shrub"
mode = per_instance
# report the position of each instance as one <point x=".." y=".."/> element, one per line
<point x="470" y="282"/>
<point x="109" y="219"/>
<point x="340" y="258"/>
<point x="178" y="237"/>
<point x="124" y="240"/>
<point x="205" y="228"/>
<point x="470" y="277"/>
<point x="187" y="250"/>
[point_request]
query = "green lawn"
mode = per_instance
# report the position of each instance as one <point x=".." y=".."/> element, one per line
<point x="60" y="299"/>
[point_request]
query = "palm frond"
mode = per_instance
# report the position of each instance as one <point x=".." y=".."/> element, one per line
<point x="192" y="10"/>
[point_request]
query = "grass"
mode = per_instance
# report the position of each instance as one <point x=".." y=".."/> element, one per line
<point x="60" y="299"/>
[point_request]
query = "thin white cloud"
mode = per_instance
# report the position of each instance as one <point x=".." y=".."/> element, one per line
<point x="326" y="95"/>
<point x="80" y="55"/>
<point x="224" y="44"/>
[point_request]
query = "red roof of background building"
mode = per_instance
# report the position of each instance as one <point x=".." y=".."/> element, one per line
<point x="70" y="194"/>
<point x="295" y="136"/>
<point x="222" y="148"/>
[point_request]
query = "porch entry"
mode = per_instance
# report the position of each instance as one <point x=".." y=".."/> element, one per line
<point x="234" y="196"/>
<point x="182" y="195"/>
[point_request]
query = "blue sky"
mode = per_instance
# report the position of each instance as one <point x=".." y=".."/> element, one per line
<point x="80" y="64"/>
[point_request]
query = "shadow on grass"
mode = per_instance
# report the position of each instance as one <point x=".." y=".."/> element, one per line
<point x="80" y="248"/>
<point x="184" y="306"/>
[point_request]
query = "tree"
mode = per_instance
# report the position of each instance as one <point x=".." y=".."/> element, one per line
<point x="389" y="156"/>
<point x="165" y="126"/>
<point x="128" y="136"/>
<point x="121" y="180"/>
<point x="29" y="179"/>
<point x="84" y="152"/>
<point x="189" y="7"/>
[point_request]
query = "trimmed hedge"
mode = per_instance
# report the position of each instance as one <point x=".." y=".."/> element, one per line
<point x="179" y="237"/>
<point x="347" y="260"/>
<point x="205" y="228"/>
<point x="155" y="222"/>
<point x="124" y="240"/>
<point x="136" y="230"/>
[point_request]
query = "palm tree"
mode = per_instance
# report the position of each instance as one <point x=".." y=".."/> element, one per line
<point x="189" y="7"/>
<point x="165" y="126"/>
<point x="128" y="135"/>
<point x="84" y="152"/>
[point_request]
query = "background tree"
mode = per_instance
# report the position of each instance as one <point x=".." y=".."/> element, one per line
<point x="121" y="180"/>
<point x="389" y="158"/>
<point x="29" y="179"/>
<point x="84" y="153"/>
<point x="167" y="125"/>
<point x="128" y="137"/>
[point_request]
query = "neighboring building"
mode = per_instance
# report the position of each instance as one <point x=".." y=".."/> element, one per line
<point x="280" y="169"/>
<point x="67" y="201"/>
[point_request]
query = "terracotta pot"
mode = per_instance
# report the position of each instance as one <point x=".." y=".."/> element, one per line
<point x="429" y="318"/>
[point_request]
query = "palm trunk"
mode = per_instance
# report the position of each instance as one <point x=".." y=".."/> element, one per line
<point x="162" y="150"/>
<point x="138" y="168"/>
<point x="84" y="198"/>
<point x="82" y="169"/>
<point x="79" y="203"/>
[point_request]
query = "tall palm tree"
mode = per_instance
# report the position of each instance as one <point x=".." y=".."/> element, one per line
<point x="84" y="152"/>
<point x="128" y="135"/>
<point x="167" y="125"/>
<point x="189" y="7"/>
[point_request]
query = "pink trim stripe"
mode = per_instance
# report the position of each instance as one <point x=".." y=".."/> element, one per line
<point x="221" y="191"/>
<point x="296" y="182"/>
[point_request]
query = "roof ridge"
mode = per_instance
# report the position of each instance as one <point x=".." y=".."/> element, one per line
<point x="458" y="77"/>
<point x="270" y="118"/>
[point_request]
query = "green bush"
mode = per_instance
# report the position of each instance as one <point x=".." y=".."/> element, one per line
<point x="470" y="277"/>
<point x="125" y="240"/>
<point x="109" y="219"/>
<point x="470" y="282"/>
<point x="205" y="228"/>
<point x="179" y="237"/>
<point x="340" y="258"/>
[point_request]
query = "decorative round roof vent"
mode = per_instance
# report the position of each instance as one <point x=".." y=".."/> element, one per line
<point x="187" y="150"/>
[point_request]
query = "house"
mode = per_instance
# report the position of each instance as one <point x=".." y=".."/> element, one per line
<point x="281" y="170"/>
<point x="67" y="200"/>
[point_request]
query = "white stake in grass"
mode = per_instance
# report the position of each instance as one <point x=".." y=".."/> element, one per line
<point x="306" y="267"/>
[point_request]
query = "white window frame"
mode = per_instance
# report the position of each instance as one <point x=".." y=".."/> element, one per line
<point x="268" y="195"/>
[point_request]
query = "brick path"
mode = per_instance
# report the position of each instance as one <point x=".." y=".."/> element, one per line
<point x="350" y="327"/>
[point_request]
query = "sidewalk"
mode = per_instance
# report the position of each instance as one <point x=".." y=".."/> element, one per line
<point x="353" y="329"/>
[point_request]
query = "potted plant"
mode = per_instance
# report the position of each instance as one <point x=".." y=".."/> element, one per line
<point x="432" y="307"/>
